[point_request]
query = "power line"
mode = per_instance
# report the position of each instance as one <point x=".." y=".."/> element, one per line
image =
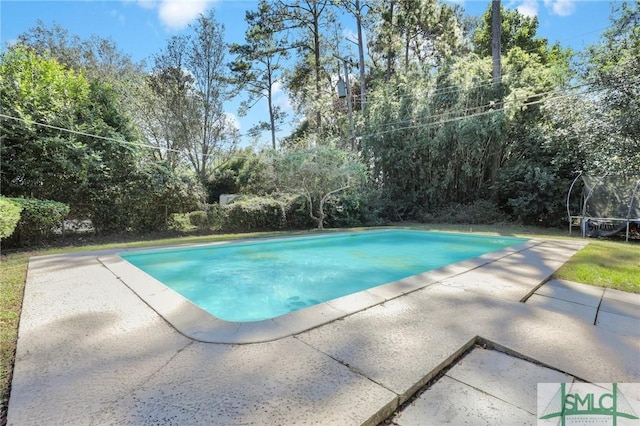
<point x="77" y="132"/>
<point x="482" y="113"/>
<point x="106" y="138"/>
<point x="490" y="105"/>
<point x="440" y="119"/>
<point x="489" y="81"/>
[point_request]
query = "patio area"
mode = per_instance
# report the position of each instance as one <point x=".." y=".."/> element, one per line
<point x="90" y="351"/>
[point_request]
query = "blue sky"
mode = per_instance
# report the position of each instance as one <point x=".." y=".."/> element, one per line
<point x="141" y="28"/>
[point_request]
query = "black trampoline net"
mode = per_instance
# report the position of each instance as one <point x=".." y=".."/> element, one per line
<point x="611" y="196"/>
<point x="611" y="206"/>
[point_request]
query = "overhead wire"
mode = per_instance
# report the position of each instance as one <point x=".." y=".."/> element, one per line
<point x="437" y="92"/>
<point x="398" y="122"/>
<point x="489" y="81"/>
<point x="439" y="121"/>
<point x="106" y="138"/>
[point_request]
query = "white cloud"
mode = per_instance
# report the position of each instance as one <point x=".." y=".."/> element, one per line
<point x="528" y="8"/>
<point x="147" y="4"/>
<point x="561" y="7"/>
<point x="281" y="98"/>
<point x="231" y="121"/>
<point x="177" y="14"/>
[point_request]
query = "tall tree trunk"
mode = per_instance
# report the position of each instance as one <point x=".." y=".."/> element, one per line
<point x="390" y="52"/>
<point x="360" y="54"/>
<point x="316" y="53"/>
<point x="496" y="23"/>
<point x="272" y="118"/>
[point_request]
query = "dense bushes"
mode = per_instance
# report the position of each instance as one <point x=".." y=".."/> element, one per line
<point x="147" y="203"/>
<point x="253" y="214"/>
<point x="9" y="216"/>
<point x="199" y="219"/>
<point x="37" y="220"/>
<point x="478" y="212"/>
<point x="284" y="211"/>
<point x="354" y="209"/>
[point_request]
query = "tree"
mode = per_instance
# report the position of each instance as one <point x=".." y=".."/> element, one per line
<point x="168" y="113"/>
<point x="257" y="66"/>
<point x="207" y="63"/>
<point x="37" y="90"/>
<point x="613" y="72"/>
<point x="317" y="174"/>
<point x="309" y="82"/>
<point x="98" y="58"/>
<point x="517" y="31"/>
<point x="415" y="35"/>
<point x="66" y="139"/>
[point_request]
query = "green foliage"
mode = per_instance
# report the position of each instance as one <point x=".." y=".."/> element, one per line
<point x="479" y="212"/>
<point x="225" y="181"/>
<point x="318" y="174"/>
<point x="414" y="36"/>
<point x="296" y="211"/>
<point x="35" y="89"/>
<point x="9" y="216"/>
<point x="517" y="31"/>
<point x="254" y="214"/>
<point x="215" y="216"/>
<point x="199" y="219"/>
<point x="353" y="209"/>
<point x="37" y="220"/>
<point x="247" y="173"/>
<point x="154" y="194"/>
<point x="109" y="182"/>
<point x="613" y="69"/>
<point x="258" y="67"/>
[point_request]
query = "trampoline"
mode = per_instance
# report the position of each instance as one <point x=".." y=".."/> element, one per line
<point x="608" y="205"/>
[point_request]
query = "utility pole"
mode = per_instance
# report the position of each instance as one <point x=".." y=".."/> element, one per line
<point x="360" y="53"/>
<point x="350" y="108"/>
<point x="344" y="90"/>
<point x="496" y="24"/>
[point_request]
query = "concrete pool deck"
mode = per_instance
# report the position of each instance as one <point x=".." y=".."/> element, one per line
<point x="90" y="351"/>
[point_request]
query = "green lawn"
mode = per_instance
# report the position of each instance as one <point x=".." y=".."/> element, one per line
<point x="605" y="264"/>
<point x="601" y="263"/>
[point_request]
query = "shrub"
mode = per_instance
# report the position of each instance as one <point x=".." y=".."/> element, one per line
<point x="533" y="194"/>
<point x="296" y="212"/>
<point x="199" y="219"/>
<point x="215" y="216"/>
<point x="9" y="216"/>
<point x="478" y="212"/>
<point x="353" y="209"/>
<point x="37" y="219"/>
<point x="254" y="214"/>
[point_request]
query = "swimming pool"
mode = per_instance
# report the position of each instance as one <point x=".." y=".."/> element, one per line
<point x="260" y="280"/>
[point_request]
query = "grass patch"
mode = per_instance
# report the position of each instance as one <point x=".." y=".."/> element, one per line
<point x="13" y="274"/>
<point x="605" y="264"/>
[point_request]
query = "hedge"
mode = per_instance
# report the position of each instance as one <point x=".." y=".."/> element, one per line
<point x="9" y="216"/>
<point x="254" y="214"/>
<point x="37" y="220"/>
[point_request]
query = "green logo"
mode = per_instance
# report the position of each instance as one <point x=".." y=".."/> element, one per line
<point x="587" y="404"/>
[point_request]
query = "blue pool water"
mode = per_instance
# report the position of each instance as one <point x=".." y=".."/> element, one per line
<point x="251" y="281"/>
